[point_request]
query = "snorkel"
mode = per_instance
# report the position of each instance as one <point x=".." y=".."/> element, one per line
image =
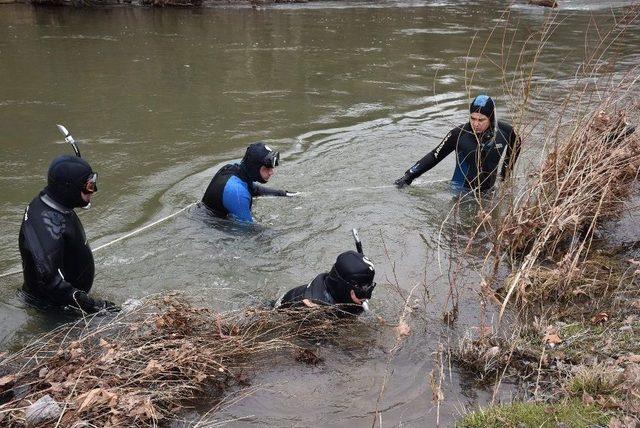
<point x="356" y="238"/>
<point x="68" y="138"/>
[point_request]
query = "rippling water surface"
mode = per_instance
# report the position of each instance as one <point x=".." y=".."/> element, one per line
<point x="351" y="93"/>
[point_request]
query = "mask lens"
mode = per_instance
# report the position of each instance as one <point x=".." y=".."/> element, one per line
<point x="91" y="186"/>
<point x="364" y="291"/>
<point x="272" y="160"/>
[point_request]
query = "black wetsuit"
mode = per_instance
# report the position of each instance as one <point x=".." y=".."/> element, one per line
<point x="230" y="193"/>
<point x="477" y="156"/>
<point x="56" y="257"/>
<point x="320" y="291"/>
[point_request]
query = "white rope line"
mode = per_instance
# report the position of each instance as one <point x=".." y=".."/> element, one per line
<point x="128" y="235"/>
<point x="135" y="232"/>
<point x="145" y="227"/>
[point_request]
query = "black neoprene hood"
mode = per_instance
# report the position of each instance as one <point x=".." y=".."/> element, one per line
<point x="351" y="271"/>
<point x="254" y="158"/>
<point x="66" y="178"/>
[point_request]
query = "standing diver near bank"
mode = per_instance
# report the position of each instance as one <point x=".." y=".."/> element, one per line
<point x="479" y="145"/>
<point x="58" y="266"/>
<point x="347" y="287"/>
<point x="230" y="192"/>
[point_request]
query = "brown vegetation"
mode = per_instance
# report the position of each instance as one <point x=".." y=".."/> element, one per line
<point x="146" y="366"/>
<point x="548" y="235"/>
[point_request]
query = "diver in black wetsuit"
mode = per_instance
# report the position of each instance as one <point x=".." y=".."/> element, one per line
<point x="57" y="262"/>
<point x="230" y="192"/>
<point x="347" y="287"/>
<point x="479" y="145"/>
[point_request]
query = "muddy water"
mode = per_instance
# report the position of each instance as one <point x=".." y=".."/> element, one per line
<point x="351" y="93"/>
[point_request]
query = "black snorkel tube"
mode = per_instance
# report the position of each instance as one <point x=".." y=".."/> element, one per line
<point x="356" y="238"/>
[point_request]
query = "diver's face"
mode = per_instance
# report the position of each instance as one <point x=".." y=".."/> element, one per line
<point x="355" y="299"/>
<point x="479" y="122"/>
<point x="266" y="173"/>
<point x="86" y="197"/>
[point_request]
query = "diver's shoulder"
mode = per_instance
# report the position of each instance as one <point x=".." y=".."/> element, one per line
<point x="236" y="184"/>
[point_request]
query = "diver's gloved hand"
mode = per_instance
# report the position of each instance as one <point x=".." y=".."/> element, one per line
<point x="109" y="306"/>
<point x="290" y="194"/>
<point x="91" y="305"/>
<point x="405" y="180"/>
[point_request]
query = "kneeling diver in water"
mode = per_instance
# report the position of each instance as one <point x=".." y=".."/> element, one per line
<point x="57" y="261"/>
<point x="230" y="192"/>
<point x="347" y="287"/>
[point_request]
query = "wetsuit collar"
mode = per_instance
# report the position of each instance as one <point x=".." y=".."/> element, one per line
<point x="53" y="204"/>
<point x="244" y="173"/>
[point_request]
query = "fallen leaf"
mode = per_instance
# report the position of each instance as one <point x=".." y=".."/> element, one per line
<point x="551" y="339"/>
<point x="587" y="399"/>
<point x="104" y="343"/>
<point x="88" y="399"/>
<point x="7" y="380"/>
<point x="56" y="387"/>
<point x="43" y="372"/>
<point x="146" y="410"/>
<point x="633" y="358"/>
<point x="153" y="367"/>
<point x="402" y="329"/>
<point x="600" y="318"/>
<point x="95" y="397"/>
<point x="109" y="357"/>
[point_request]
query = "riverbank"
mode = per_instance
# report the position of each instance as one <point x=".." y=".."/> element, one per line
<point x="573" y="297"/>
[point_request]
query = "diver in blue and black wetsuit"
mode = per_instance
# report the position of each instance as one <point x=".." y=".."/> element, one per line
<point x="230" y="193"/>
<point x="479" y="145"/>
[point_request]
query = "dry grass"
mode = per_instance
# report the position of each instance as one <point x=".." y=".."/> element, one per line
<point x="144" y="367"/>
<point x="584" y="180"/>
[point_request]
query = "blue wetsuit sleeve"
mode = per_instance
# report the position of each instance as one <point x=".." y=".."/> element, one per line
<point x="442" y="150"/>
<point x="237" y="200"/>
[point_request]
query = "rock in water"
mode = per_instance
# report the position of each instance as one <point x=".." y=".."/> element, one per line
<point x="43" y="410"/>
<point x="547" y="3"/>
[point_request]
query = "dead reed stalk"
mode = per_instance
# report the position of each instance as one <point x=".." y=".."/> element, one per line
<point x="584" y="180"/>
<point x="144" y="367"/>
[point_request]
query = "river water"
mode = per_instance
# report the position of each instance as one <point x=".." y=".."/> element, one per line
<point x="351" y="93"/>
